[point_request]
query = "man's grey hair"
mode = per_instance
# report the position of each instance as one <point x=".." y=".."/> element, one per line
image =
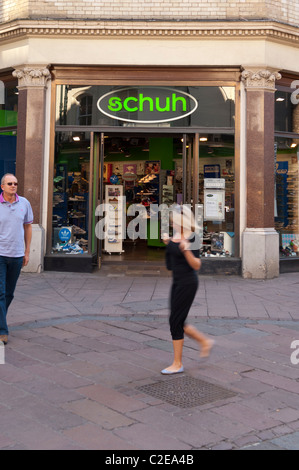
<point x="4" y="177"/>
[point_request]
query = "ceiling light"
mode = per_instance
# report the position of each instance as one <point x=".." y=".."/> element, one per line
<point x="280" y="99"/>
<point x="76" y="138"/>
<point x="203" y="139"/>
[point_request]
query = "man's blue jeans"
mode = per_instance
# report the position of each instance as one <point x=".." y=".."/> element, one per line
<point x="10" y="269"/>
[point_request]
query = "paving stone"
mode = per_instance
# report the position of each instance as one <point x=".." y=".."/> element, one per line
<point x="98" y="414"/>
<point x="290" y="442"/>
<point x="111" y="398"/>
<point x="142" y="437"/>
<point x="277" y="381"/>
<point x="59" y="375"/>
<point x="223" y="446"/>
<point x="254" y="419"/>
<point x="221" y="426"/>
<point x="48" y="390"/>
<point x="48" y="414"/>
<point x="91" y="437"/>
<point x="262" y="446"/>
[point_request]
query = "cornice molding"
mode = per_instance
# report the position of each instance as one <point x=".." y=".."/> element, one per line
<point x="142" y="29"/>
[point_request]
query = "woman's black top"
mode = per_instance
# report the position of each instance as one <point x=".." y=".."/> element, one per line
<point x="176" y="261"/>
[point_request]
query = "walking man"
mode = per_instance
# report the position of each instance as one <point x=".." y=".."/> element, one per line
<point x="16" y="218"/>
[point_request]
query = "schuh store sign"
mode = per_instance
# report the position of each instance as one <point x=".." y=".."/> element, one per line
<point x="147" y="105"/>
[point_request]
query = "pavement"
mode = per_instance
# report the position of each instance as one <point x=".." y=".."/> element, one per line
<point x="82" y="367"/>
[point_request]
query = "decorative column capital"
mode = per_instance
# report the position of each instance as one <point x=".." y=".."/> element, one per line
<point x="261" y="79"/>
<point x="35" y="76"/>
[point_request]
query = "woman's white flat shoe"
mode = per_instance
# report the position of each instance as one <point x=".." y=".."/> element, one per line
<point x="171" y="372"/>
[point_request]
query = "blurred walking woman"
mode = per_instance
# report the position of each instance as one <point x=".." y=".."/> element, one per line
<point x="182" y="258"/>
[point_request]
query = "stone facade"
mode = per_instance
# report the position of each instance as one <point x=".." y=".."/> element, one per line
<point x="12" y="9"/>
<point x="39" y="36"/>
<point x="285" y="11"/>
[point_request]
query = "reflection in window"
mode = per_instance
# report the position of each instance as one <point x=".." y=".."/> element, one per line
<point x="286" y="112"/>
<point x="8" y="118"/>
<point x="287" y="196"/>
<point x="78" y="106"/>
<point x="85" y="110"/>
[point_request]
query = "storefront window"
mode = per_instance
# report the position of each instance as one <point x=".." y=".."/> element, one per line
<point x="71" y="194"/>
<point x="178" y="106"/>
<point x="217" y="194"/>
<point x="8" y="147"/>
<point x="287" y="196"/>
<point x="286" y="110"/>
<point x="8" y="128"/>
<point x="144" y="170"/>
<point x="85" y="110"/>
<point x="148" y="172"/>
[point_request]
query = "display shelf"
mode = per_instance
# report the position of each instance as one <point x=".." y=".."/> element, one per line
<point x="113" y="242"/>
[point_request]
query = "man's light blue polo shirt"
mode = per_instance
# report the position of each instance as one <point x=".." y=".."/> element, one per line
<point x="13" y="216"/>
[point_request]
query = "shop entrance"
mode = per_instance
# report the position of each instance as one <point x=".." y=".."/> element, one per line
<point x="138" y="173"/>
<point x="148" y="145"/>
<point x="145" y="170"/>
<point x="128" y="169"/>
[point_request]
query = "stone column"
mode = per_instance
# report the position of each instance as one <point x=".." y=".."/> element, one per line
<point x="32" y="86"/>
<point x="260" y="240"/>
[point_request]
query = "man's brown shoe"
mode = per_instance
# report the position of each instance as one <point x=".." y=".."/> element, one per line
<point x="4" y="339"/>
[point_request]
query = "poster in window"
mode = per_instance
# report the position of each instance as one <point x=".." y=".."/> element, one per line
<point x="214" y="205"/>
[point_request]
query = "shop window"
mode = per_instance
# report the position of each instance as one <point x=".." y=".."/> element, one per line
<point x="8" y="147"/>
<point x="286" y="111"/>
<point x="149" y="172"/>
<point x="85" y="110"/>
<point x="176" y="106"/>
<point x="8" y="127"/>
<point x="71" y="194"/>
<point x="287" y="196"/>
<point x="217" y="194"/>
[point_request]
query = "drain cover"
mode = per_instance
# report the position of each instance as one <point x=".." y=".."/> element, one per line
<point x="186" y="392"/>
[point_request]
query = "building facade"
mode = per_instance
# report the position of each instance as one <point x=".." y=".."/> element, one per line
<point x="154" y="103"/>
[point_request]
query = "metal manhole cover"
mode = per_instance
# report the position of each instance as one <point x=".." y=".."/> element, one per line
<point x="186" y="392"/>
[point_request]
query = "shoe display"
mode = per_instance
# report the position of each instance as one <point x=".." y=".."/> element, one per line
<point x="112" y="240"/>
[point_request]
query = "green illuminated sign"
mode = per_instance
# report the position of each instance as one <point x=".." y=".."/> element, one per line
<point x="147" y="104"/>
<point x="170" y="104"/>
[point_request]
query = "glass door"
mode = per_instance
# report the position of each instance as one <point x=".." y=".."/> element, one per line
<point x="147" y="170"/>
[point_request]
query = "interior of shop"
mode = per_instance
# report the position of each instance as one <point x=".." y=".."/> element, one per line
<point x="146" y="170"/>
<point x="287" y="196"/>
<point x="8" y="138"/>
<point x="70" y="221"/>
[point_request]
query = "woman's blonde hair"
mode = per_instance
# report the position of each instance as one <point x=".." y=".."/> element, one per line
<point x="182" y="216"/>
